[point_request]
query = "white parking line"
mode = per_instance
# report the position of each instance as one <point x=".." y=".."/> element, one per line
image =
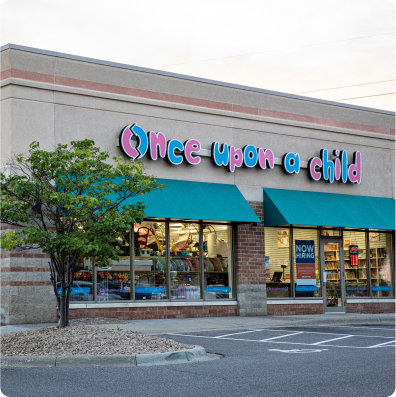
<point x="281" y="336"/>
<point x="330" y="340"/>
<point x="237" y="333"/>
<point x="381" y="344"/>
<point x="339" y="336"/>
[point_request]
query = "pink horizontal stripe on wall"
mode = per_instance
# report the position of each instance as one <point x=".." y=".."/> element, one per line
<point x="114" y="89"/>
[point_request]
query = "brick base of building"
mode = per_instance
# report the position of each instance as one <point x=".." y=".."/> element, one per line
<point x="145" y="313"/>
<point x="383" y="307"/>
<point x="282" y="310"/>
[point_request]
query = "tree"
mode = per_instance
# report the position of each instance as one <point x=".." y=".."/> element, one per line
<point x="70" y="203"/>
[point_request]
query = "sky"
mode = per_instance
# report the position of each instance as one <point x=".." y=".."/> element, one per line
<point x="338" y="50"/>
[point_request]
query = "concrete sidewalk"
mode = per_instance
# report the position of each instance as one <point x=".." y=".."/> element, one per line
<point x="185" y="325"/>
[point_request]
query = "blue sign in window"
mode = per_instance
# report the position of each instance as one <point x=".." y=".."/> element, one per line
<point x="305" y="288"/>
<point x="150" y="290"/>
<point x="78" y="290"/>
<point x="218" y="289"/>
<point x="381" y="288"/>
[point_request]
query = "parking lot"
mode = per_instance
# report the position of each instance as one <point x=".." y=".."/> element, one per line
<point x="309" y="338"/>
<point x="317" y="361"/>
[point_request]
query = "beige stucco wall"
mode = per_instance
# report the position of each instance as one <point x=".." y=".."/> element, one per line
<point x="53" y="113"/>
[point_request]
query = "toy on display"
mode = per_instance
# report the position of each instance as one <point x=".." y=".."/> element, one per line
<point x="143" y="235"/>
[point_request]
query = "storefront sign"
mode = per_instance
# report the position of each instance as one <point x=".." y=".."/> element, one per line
<point x="305" y="262"/>
<point x="382" y="288"/>
<point x="336" y="169"/>
<point x="224" y="155"/>
<point x="307" y="288"/>
<point x="353" y="254"/>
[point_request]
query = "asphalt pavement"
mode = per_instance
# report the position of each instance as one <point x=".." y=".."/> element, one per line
<point x="259" y="357"/>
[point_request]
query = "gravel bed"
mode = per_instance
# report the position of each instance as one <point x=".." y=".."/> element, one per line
<point x="80" y="339"/>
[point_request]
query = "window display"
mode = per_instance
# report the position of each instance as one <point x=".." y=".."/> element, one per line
<point x="314" y="288"/>
<point x="277" y="262"/>
<point x="184" y="261"/>
<point x="150" y="261"/>
<point x="148" y="265"/>
<point x="82" y="288"/>
<point x="355" y="264"/>
<point x="381" y="266"/>
<point x="113" y="283"/>
<point x="217" y="260"/>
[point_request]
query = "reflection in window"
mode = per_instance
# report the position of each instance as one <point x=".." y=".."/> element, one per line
<point x="82" y="285"/>
<point x="217" y="260"/>
<point x="114" y="281"/>
<point x="150" y="261"/>
<point x="184" y="261"/>
<point x="277" y="262"/>
<point x="355" y="265"/>
<point x="381" y="266"/>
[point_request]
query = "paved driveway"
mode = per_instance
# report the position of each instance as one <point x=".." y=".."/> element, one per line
<point x="317" y="361"/>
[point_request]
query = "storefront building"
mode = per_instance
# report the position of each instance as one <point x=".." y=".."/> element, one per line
<point x="274" y="203"/>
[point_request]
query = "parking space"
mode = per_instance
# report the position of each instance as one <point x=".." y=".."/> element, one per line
<point x="347" y="337"/>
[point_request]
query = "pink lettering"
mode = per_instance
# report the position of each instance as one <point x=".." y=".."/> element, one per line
<point x="126" y="146"/>
<point x="265" y="157"/>
<point x="337" y="169"/>
<point x="191" y="146"/>
<point x="157" y="140"/>
<point x="312" y="164"/>
<point x="355" y="169"/>
<point x="236" y="158"/>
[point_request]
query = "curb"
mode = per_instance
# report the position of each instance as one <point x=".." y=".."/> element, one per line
<point x="198" y="353"/>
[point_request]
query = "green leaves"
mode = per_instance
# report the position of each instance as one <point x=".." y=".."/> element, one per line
<point x="70" y="201"/>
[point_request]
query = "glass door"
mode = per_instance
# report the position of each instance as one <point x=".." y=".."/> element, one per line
<point x="332" y="256"/>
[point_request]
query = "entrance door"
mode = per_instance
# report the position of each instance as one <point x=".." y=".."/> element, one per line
<point x="332" y="258"/>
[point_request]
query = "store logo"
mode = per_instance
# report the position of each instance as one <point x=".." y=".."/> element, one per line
<point x="249" y="156"/>
<point x="336" y="169"/>
<point x="133" y="131"/>
<point x="224" y="155"/>
<point x="157" y="146"/>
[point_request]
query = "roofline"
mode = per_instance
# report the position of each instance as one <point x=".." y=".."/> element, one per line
<point x="186" y="77"/>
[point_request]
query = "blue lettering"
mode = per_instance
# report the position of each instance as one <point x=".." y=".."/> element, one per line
<point x="291" y="163"/>
<point x="250" y="156"/>
<point x="172" y="157"/>
<point x="327" y="166"/>
<point x="220" y="154"/>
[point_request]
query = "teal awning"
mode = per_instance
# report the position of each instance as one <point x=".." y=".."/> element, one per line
<point x="295" y="207"/>
<point x="197" y="200"/>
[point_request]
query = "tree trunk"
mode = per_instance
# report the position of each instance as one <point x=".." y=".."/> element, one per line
<point x="63" y="312"/>
<point x="67" y="304"/>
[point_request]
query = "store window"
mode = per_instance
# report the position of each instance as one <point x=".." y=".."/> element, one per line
<point x="306" y="270"/>
<point x="82" y="288"/>
<point x="185" y="271"/>
<point x="114" y="280"/>
<point x="328" y="232"/>
<point x="192" y="273"/>
<point x="217" y="261"/>
<point x="381" y="264"/>
<point x="277" y="262"/>
<point x="150" y="261"/>
<point x="355" y="264"/>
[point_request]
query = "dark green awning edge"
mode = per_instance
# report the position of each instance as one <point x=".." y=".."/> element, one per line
<point x="296" y="207"/>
